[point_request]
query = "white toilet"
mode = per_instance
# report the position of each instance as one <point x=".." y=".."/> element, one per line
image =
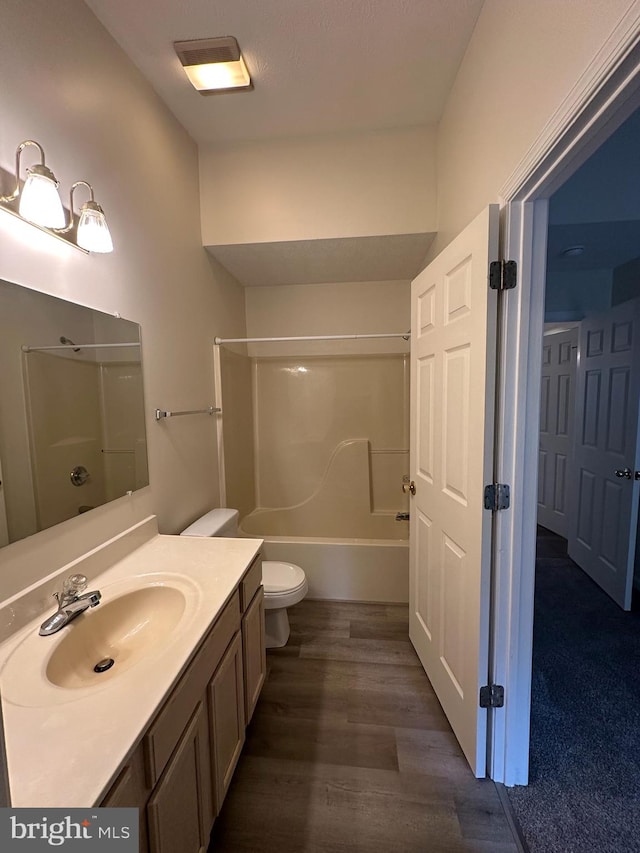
<point x="284" y="584"/>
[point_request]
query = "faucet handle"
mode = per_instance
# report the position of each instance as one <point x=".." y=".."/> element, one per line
<point x="74" y="584"/>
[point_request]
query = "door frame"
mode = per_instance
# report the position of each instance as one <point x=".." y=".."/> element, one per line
<point x="604" y="96"/>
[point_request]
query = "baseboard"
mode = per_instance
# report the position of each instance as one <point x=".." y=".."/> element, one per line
<point x="512" y="820"/>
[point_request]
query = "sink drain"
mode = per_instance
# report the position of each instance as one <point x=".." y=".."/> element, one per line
<point x="103" y="665"/>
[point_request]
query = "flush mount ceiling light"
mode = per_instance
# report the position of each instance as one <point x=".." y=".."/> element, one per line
<point x="572" y="252"/>
<point x="214" y="65"/>
<point x="38" y="202"/>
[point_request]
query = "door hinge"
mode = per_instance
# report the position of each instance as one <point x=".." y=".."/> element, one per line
<point x="503" y="275"/>
<point x="492" y="696"/>
<point x="497" y="496"/>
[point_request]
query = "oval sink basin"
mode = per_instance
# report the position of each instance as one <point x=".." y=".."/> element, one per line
<point x="135" y="620"/>
<point x="125" y="630"/>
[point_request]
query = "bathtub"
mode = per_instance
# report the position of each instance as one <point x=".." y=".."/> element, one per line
<point x="348" y="551"/>
<point x="372" y="568"/>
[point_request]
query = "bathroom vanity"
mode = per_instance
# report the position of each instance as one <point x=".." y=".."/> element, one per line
<point x="164" y="733"/>
<point x="179" y="774"/>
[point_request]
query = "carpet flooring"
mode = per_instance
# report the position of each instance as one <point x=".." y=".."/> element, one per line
<point x="584" y="791"/>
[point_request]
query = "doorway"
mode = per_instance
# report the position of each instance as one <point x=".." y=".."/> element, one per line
<point x="590" y="387"/>
<point x="583" y="734"/>
<point x="582" y="124"/>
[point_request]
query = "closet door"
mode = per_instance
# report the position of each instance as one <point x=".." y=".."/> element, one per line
<point x="557" y="401"/>
<point x="604" y="518"/>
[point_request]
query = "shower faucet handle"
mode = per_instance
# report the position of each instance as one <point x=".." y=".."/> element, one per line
<point x="79" y="475"/>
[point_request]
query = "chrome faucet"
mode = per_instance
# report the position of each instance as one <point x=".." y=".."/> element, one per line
<point x="70" y="604"/>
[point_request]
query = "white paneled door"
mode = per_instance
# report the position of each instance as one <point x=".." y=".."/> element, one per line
<point x="602" y="530"/>
<point x="557" y="400"/>
<point x="453" y="352"/>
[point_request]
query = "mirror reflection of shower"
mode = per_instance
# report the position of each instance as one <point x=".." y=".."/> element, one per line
<point x="83" y="413"/>
<point x="71" y="396"/>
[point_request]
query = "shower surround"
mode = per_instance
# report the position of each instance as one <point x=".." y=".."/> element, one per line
<point x="329" y="450"/>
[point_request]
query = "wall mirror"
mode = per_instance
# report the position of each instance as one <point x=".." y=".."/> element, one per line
<point x="72" y="428"/>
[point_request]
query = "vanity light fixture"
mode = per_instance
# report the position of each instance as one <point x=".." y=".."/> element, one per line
<point x="214" y="65"/>
<point x="93" y="232"/>
<point x="39" y="202"/>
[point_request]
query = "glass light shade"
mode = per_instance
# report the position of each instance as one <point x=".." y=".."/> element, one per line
<point x="39" y="199"/>
<point x="219" y="75"/>
<point x="93" y="231"/>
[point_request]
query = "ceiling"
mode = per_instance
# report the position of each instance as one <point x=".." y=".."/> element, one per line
<point x="598" y="207"/>
<point x="324" y="67"/>
<point x="606" y="187"/>
<point x="606" y="245"/>
<point x="393" y="257"/>
<point x="318" y="66"/>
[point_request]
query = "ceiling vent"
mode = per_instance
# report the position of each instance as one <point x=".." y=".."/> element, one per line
<point x="214" y="65"/>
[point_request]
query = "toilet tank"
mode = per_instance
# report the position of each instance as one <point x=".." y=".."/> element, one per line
<point x="218" y="522"/>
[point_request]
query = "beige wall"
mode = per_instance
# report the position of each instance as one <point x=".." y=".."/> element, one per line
<point x="73" y="90"/>
<point x="345" y="186"/>
<point x="346" y="308"/>
<point x="521" y="62"/>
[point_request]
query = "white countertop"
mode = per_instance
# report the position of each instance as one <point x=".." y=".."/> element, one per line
<point x="66" y="751"/>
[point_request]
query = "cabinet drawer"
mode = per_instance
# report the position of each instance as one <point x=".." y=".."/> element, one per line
<point x="250" y="582"/>
<point x="161" y="739"/>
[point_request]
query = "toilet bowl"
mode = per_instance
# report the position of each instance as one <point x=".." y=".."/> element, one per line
<point x="285" y="584"/>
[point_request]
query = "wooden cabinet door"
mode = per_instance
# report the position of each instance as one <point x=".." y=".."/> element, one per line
<point x="180" y="812"/>
<point x="253" y="652"/>
<point x="130" y="791"/>
<point x="226" y="701"/>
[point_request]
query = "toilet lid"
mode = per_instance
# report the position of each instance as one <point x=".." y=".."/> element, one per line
<point x="281" y="577"/>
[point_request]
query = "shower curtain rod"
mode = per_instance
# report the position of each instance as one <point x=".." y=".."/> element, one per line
<point x="28" y="348"/>
<point x="218" y="341"/>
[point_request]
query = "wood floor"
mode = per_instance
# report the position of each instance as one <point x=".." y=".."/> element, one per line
<point x="350" y="752"/>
